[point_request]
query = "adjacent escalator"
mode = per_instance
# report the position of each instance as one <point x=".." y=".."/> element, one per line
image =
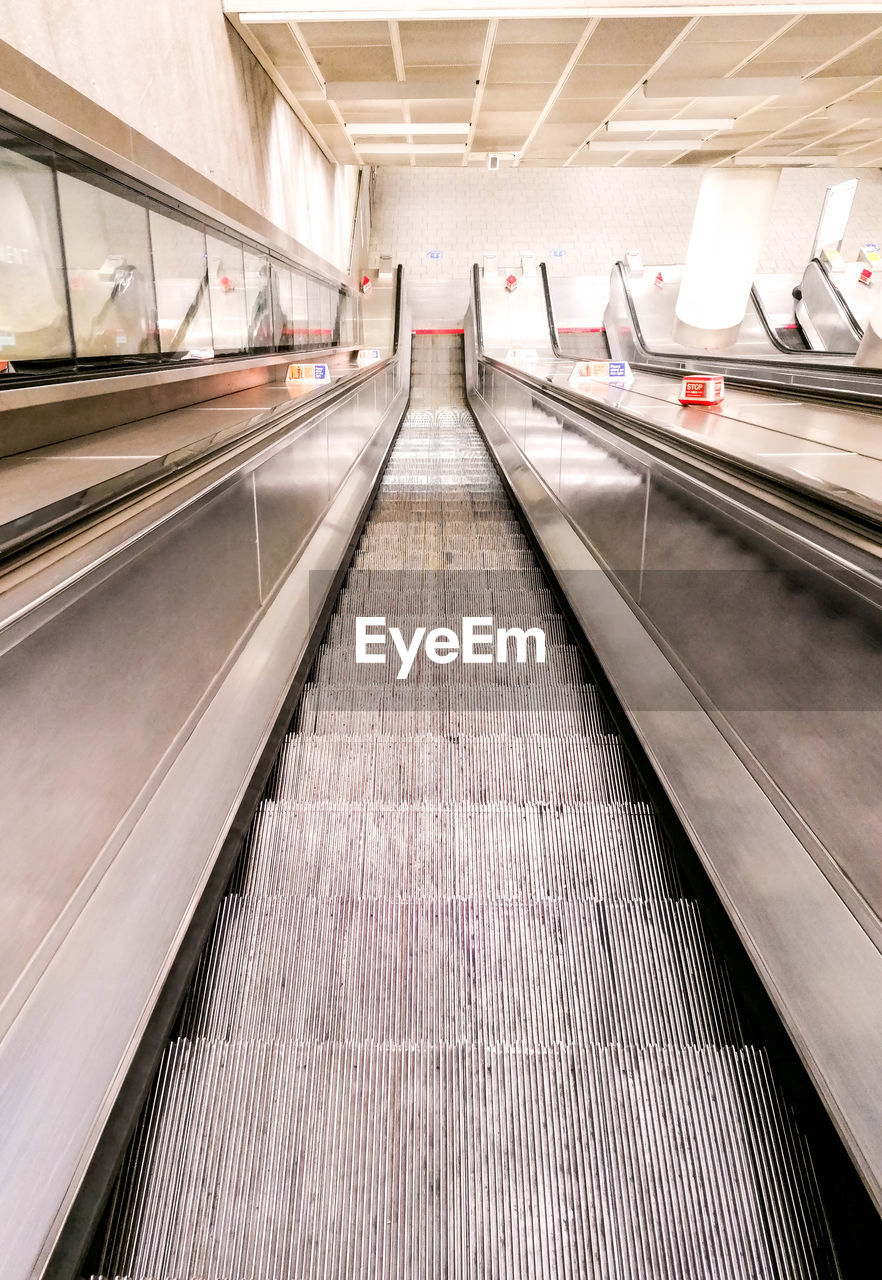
<point x="638" y="330"/>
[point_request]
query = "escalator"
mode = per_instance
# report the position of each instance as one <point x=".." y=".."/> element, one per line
<point x="761" y="359"/>
<point x="460" y="1013"/>
<point x="827" y="307"/>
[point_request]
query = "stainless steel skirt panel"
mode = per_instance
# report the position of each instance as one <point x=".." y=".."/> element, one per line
<point x="100" y="683"/>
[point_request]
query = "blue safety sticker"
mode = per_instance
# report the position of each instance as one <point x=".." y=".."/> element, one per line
<point x="321" y="372"/>
<point x="616" y="369"/>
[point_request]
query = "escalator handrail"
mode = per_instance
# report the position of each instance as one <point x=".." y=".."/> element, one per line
<point x="399" y="309"/>
<point x="477" y="308"/>
<point x="549" y="311"/>
<point x="663" y="356"/>
<point x="837" y="298"/>
<point x="749" y="373"/>
<point x="768" y="329"/>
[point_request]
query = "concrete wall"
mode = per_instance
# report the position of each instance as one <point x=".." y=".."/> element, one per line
<point x="177" y="72"/>
<point x="594" y="215"/>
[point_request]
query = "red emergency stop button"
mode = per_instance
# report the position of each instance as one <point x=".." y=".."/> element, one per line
<point x="701" y="388"/>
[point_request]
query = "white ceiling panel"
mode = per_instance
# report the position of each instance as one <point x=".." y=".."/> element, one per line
<point x="442" y="43"/>
<point x="550" y="84"/>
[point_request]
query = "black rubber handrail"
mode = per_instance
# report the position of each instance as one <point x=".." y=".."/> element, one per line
<point x="768" y="329"/>
<point x="549" y="312"/>
<point x="793" y="357"/>
<point x="828" y="381"/>
<point x="399" y="302"/>
<point x="838" y="298"/>
<point x="476" y="308"/>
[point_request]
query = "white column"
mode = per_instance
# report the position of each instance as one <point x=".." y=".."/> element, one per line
<point x="869" y="353"/>
<point x="731" y="217"/>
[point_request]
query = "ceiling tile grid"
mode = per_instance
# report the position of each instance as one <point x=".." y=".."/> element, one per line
<point x="613" y="92"/>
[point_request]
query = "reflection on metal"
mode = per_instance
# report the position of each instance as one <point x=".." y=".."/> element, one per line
<point x="833" y="378"/>
<point x="823" y="313"/>
<point x="869" y="354"/>
<point x="733" y="678"/>
<point x="690" y="336"/>
<point x="189" y="625"/>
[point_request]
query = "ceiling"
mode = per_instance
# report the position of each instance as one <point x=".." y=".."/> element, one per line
<point x="555" y="91"/>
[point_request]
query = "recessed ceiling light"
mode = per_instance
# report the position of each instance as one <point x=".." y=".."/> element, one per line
<point x="402" y="129"/>
<point x="788" y="161"/>
<point x="681" y="123"/>
<point x="720" y="87"/>
<point x="412" y="148"/>
<point x="635" y="144"/>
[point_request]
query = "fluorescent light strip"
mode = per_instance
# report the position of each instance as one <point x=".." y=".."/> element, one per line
<point x="720" y="87"/>
<point x="396" y="12"/>
<point x="635" y="144"/>
<point x="403" y="130"/>
<point x="785" y="161"/>
<point x="412" y="148"/>
<point x="668" y="126"/>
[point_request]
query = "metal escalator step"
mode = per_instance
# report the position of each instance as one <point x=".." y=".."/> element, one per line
<point x="430" y="768"/>
<point x="385" y="1161"/>
<point x="458" y="587"/>
<point x="380" y="598"/>
<point x="530" y="975"/>
<point x="451" y="709"/>
<point x="337" y="665"/>
<point x="478" y="852"/>
<point x="341" y="632"/>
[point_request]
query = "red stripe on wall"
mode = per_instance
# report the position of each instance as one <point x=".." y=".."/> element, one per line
<point x="424" y="331"/>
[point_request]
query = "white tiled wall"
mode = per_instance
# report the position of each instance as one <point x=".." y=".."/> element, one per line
<point x="594" y="215"/>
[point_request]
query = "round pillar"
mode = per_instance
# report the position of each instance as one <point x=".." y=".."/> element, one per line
<point x="731" y="217"/>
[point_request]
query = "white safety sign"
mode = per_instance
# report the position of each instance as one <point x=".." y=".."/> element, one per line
<point x="521" y="355"/>
<point x="615" y="372"/>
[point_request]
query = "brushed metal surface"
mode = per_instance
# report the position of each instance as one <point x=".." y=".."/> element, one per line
<point x="153" y="622"/>
<point x="823" y="313"/>
<point x="35" y="417"/>
<point x="63" y="1057"/>
<point x="789" y="663"/>
<point x="818" y="962"/>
